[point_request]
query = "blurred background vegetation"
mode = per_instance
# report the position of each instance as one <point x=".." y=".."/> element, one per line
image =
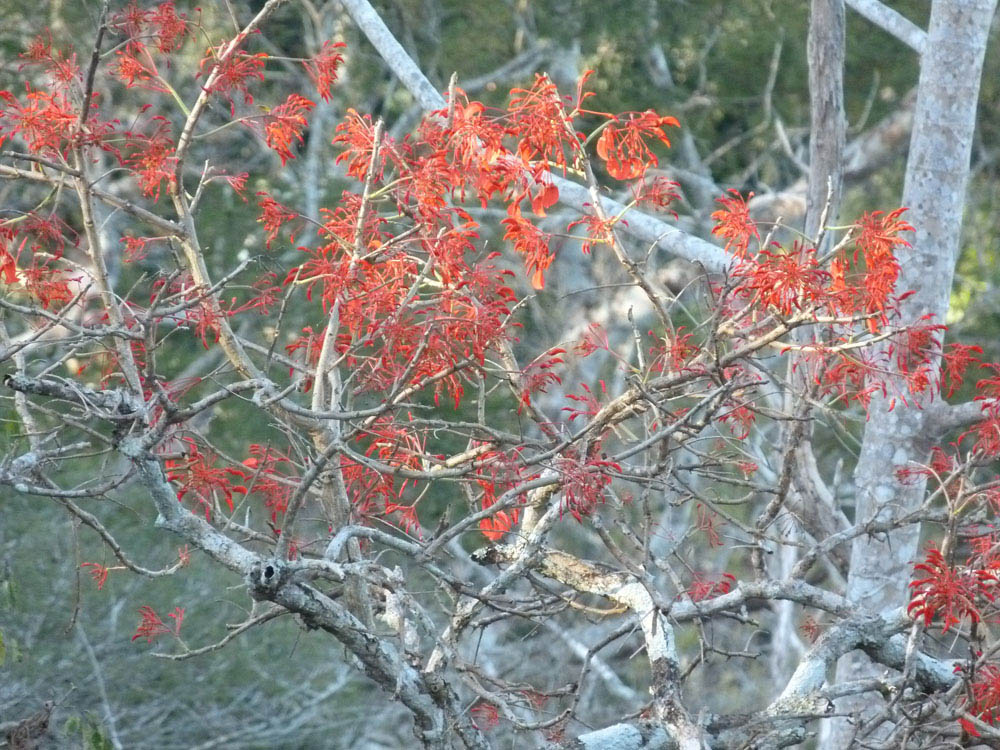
<point x="733" y="73"/>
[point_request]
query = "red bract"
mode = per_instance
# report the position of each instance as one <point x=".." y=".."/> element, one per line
<point x="623" y="143"/>
<point x="583" y="483"/>
<point x="198" y="477"/>
<point x="322" y="68"/>
<point x="786" y="281"/>
<point x="45" y="121"/>
<point x="531" y="242"/>
<point x="706" y="588"/>
<point x="539" y="122"/>
<point x="152" y="627"/>
<point x="98" y="572"/>
<point x="984" y="691"/>
<point x="59" y="64"/>
<point x="357" y="135"/>
<point x="955" y="360"/>
<point x="151" y="157"/>
<point x="285" y="124"/>
<point x="486" y="715"/>
<point x="537" y="375"/>
<point x="272" y="475"/>
<point x="233" y="74"/>
<point x="273" y="216"/>
<point x="948" y="593"/>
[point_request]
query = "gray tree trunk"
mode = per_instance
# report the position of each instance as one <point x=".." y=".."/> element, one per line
<point x="934" y="190"/>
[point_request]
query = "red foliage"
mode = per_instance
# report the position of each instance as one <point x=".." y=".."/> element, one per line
<point x="232" y="74"/>
<point x="531" y="242"/>
<point x="583" y="483"/>
<point x="151" y="157"/>
<point x="707" y="520"/>
<point x="273" y="216"/>
<point x="46" y="121"/>
<point x="706" y="588"/>
<point x="539" y="122"/>
<point x="485" y="714"/>
<point x="984" y="698"/>
<point x="152" y="627"/>
<point x="322" y="68"/>
<point x="810" y="628"/>
<point x="537" y="375"/>
<point x="623" y="143"/>
<point x="285" y="124"/>
<point x="199" y="478"/>
<point x="948" y="592"/>
<point x="734" y="224"/>
<point x="272" y="475"/>
<point x="98" y="572"/>
<point x="785" y="281"/>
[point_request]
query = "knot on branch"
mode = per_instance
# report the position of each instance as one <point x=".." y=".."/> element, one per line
<point x="266" y="577"/>
<point x="486" y="555"/>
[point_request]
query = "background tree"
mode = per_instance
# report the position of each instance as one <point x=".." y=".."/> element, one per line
<point x="493" y="479"/>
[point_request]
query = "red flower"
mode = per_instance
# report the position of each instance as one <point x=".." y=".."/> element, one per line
<point x="531" y="242"/>
<point x="877" y="242"/>
<point x="198" y="477"/>
<point x="238" y="182"/>
<point x="583" y="483"/>
<point x="152" y="627"/>
<point x="273" y="216"/>
<point x="44" y="120"/>
<point x="539" y="121"/>
<point x="285" y="124"/>
<point x="272" y="476"/>
<point x="322" y="68"/>
<point x="952" y="592"/>
<point x="486" y="715"/>
<point x="233" y="74"/>
<point x="98" y="572"/>
<point x="985" y="704"/>
<point x="623" y="146"/>
<point x="786" y="281"/>
<point x="704" y="588"/>
<point x="599" y="232"/>
<point x="955" y="360"/>
<point x="537" y="375"/>
<point x="152" y="158"/>
<point x="734" y="224"/>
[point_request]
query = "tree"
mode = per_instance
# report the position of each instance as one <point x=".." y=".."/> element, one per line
<point x="378" y="442"/>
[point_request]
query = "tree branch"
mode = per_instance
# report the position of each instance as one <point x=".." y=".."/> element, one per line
<point x="891" y="21"/>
